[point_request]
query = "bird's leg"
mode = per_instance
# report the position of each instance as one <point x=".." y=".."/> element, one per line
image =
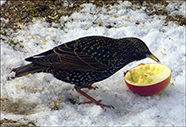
<point x="90" y="87"/>
<point x="92" y="100"/>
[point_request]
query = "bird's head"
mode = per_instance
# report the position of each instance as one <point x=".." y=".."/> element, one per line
<point x="139" y="50"/>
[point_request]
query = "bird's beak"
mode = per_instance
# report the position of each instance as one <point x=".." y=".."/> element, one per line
<point x="154" y="58"/>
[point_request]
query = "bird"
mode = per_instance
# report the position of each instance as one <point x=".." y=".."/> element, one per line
<point x="87" y="60"/>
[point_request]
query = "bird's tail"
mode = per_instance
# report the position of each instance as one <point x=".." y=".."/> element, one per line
<point x="30" y="68"/>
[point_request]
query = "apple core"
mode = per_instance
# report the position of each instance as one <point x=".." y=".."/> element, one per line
<point x="146" y="74"/>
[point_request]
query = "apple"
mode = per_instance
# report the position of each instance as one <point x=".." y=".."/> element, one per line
<point x="148" y="79"/>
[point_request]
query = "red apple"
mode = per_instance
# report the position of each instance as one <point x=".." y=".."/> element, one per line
<point x="148" y="79"/>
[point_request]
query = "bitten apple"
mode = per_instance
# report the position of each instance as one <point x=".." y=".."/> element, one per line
<point x="148" y="79"/>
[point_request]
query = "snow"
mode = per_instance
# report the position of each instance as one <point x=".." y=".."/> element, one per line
<point x="40" y="92"/>
<point x="2" y="2"/>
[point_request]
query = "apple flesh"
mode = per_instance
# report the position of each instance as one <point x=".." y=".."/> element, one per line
<point x="148" y="79"/>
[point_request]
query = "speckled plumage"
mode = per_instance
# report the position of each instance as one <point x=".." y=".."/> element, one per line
<point x="87" y="60"/>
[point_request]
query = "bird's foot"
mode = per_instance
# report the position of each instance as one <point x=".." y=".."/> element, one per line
<point x="92" y="100"/>
<point x="98" y="103"/>
<point x="90" y="87"/>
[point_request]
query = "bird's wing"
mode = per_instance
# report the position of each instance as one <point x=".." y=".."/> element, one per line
<point x="71" y="56"/>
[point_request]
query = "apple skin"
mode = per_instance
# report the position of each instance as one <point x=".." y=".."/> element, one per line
<point x="149" y="90"/>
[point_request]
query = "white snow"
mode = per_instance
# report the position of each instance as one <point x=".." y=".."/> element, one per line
<point x="2" y="2"/>
<point x="43" y="90"/>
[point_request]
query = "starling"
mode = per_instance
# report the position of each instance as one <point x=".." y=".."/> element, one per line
<point x="87" y="60"/>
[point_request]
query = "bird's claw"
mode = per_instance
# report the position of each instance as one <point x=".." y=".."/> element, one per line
<point x="98" y="103"/>
<point x="92" y="100"/>
<point x="90" y="87"/>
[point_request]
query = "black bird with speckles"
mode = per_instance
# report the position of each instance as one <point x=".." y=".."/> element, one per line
<point x="87" y="60"/>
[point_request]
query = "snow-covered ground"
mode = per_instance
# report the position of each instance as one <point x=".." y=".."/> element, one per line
<point x="35" y="97"/>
